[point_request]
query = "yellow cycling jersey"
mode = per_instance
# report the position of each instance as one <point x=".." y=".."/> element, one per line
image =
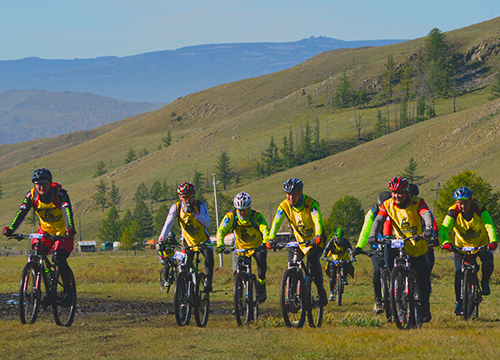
<point x="305" y="226"/>
<point x="469" y="233"/>
<point x="193" y="232"/>
<point x="50" y="216"/>
<point x="407" y="222"/>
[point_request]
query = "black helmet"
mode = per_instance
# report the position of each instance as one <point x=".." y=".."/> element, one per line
<point x="413" y="189"/>
<point x="292" y="185"/>
<point x="41" y="175"/>
<point x="382" y="197"/>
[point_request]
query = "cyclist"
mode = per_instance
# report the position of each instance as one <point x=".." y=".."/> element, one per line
<point x="250" y="231"/>
<point x="473" y="226"/>
<point x="52" y="205"/>
<point x="377" y="260"/>
<point x="338" y="248"/>
<point x="164" y="254"/>
<point x="194" y="221"/>
<point x="409" y="216"/>
<point x="304" y="216"/>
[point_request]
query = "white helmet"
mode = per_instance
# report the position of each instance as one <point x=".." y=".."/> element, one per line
<point x="242" y="201"/>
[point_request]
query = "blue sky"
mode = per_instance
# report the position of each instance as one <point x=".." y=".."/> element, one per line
<point x="67" y="29"/>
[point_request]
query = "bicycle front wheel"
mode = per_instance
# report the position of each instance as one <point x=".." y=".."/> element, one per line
<point x="401" y="299"/>
<point x="339" y="288"/>
<point x="385" y="278"/>
<point x="292" y="299"/>
<point x="182" y="301"/>
<point x="470" y="295"/>
<point x="314" y="310"/>
<point x="202" y="306"/>
<point x="162" y="280"/>
<point x="29" y="293"/>
<point x="64" y="314"/>
<point x="242" y="299"/>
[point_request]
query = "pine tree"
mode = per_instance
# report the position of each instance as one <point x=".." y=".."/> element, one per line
<point x="101" y="169"/>
<point x="1" y="190"/>
<point x="410" y="171"/>
<point x="130" y="156"/>
<point x="167" y="140"/>
<point x="144" y="220"/>
<point x="495" y="87"/>
<point x="161" y="216"/>
<point x="271" y="158"/>
<point x="100" y="197"/>
<point x="348" y="214"/>
<point x="141" y="193"/>
<point x="439" y="64"/>
<point x="130" y="238"/>
<point x="224" y="169"/>
<point x="114" y="195"/>
<point x="110" y="229"/>
<point x="126" y="220"/>
<point x="156" y="191"/>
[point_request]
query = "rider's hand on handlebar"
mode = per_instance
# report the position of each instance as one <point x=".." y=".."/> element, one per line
<point x="271" y="244"/>
<point x="7" y="231"/>
<point x="428" y="232"/>
<point x="372" y="240"/>
<point x="316" y="241"/>
<point x="492" y="245"/>
<point x="447" y="246"/>
<point x="357" y="251"/>
<point x="220" y="249"/>
<point x="70" y="232"/>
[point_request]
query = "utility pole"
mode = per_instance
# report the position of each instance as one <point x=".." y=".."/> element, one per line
<point x="437" y="191"/>
<point x="215" y="182"/>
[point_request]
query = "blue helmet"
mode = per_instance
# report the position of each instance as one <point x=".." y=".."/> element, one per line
<point x="292" y="185"/>
<point x="463" y="193"/>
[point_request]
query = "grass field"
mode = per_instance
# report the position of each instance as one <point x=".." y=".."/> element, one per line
<point x="351" y="331"/>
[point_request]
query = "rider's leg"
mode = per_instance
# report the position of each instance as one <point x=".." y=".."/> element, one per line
<point x="487" y="269"/>
<point x="421" y="266"/>
<point x="458" y="284"/>
<point x="208" y="253"/>
<point x="377" y="287"/>
<point x="313" y="257"/>
<point x="261" y="261"/>
<point x="60" y="256"/>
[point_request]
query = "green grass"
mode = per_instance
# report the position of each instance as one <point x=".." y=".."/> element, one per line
<point x="351" y="331"/>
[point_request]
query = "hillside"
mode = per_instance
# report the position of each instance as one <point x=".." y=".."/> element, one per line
<point x="241" y="117"/>
<point x="163" y="76"/>
<point x="36" y="114"/>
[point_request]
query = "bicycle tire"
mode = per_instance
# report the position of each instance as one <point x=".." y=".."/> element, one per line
<point x="314" y="310"/>
<point x="468" y="292"/>
<point x="292" y="300"/>
<point x="242" y="299"/>
<point x="63" y="315"/>
<point x="162" y="281"/>
<point x="30" y="294"/>
<point x="202" y="303"/>
<point x="401" y="301"/>
<point x="255" y="302"/>
<point x="339" y="288"/>
<point x="385" y="279"/>
<point x="415" y="296"/>
<point x="182" y="301"/>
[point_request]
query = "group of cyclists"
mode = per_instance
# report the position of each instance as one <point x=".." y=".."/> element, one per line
<point x="399" y="212"/>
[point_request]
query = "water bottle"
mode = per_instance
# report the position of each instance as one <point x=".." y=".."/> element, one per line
<point x="47" y="273"/>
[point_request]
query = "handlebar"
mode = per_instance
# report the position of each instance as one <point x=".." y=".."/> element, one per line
<point x="39" y="236"/>
<point x="388" y="240"/>
<point x="467" y="249"/>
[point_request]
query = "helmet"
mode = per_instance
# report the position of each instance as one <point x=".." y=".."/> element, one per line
<point x="413" y="189"/>
<point x="382" y="197"/>
<point x="339" y="236"/>
<point x="171" y="238"/>
<point x="242" y="201"/>
<point x="463" y="193"/>
<point x="186" y="189"/>
<point x="41" y="175"/>
<point x="292" y="185"/>
<point x="398" y="183"/>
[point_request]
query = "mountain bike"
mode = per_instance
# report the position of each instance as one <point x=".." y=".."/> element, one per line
<point x="299" y="295"/>
<point x="189" y="293"/>
<point x="385" y="281"/>
<point x="168" y="273"/>
<point x="404" y="292"/>
<point x="38" y="270"/>
<point x="246" y="303"/>
<point x="338" y="289"/>
<point x="470" y="287"/>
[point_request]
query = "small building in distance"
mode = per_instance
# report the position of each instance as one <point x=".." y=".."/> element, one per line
<point x="107" y="246"/>
<point x="86" y="246"/>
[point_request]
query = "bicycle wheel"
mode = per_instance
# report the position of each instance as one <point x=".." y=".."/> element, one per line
<point x="470" y="304"/>
<point x="162" y="281"/>
<point x="314" y="311"/>
<point x="202" y="303"/>
<point x="339" y="288"/>
<point x="415" y="299"/>
<point x="401" y="301"/>
<point x="255" y="303"/>
<point x="385" y="278"/>
<point x="63" y="314"/>
<point x="182" y="301"/>
<point x="242" y="299"/>
<point x="292" y="299"/>
<point x="29" y="294"/>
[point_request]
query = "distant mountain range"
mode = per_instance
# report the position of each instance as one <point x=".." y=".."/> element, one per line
<point x="36" y="114"/>
<point x="164" y="76"/>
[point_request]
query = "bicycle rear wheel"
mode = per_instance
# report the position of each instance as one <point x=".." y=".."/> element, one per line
<point x="255" y="303"/>
<point x="470" y="295"/>
<point x="314" y="310"/>
<point x="202" y="307"/>
<point x="63" y="314"/>
<point x="415" y="299"/>
<point x="162" y="280"/>
<point x="339" y="288"/>
<point x="401" y="299"/>
<point x="29" y="294"/>
<point x="385" y="278"/>
<point x="242" y="299"/>
<point x="182" y="301"/>
<point x="292" y="299"/>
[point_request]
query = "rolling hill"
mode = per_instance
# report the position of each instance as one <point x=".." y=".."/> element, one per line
<point x="241" y="117"/>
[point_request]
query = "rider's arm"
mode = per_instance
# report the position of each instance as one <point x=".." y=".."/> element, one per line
<point x="426" y="215"/>
<point x="317" y="219"/>
<point x="22" y="212"/>
<point x="202" y="216"/>
<point x="278" y="220"/>
<point x="488" y="224"/>
<point x="263" y="227"/>
<point x="169" y="222"/>
<point x="66" y="208"/>
<point x="379" y="221"/>
<point x="365" y="230"/>
<point x="223" y="229"/>
<point x="445" y="228"/>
